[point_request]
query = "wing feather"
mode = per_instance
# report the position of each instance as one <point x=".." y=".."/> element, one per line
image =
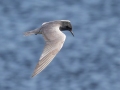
<point x="49" y="52"/>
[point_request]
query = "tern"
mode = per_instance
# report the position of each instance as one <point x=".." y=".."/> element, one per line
<point x="54" y="40"/>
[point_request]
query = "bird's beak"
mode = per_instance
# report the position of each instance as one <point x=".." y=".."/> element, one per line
<point x="72" y="33"/>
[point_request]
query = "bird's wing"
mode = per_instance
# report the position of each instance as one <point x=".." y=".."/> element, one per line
<point x="50" y="50"/>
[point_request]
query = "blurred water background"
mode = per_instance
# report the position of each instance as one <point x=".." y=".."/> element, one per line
<point x="88" y="61"/>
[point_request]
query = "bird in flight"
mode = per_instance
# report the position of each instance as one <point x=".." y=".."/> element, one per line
<point x="54" y="40"/>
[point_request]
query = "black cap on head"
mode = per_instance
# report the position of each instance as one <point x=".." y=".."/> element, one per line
<point x="66" y="25"/>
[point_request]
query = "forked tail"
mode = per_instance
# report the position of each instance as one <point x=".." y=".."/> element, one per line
<point x="28" y="33"/>
<point x="36" y="31"/>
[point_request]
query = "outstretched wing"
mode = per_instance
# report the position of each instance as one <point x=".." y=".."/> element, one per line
<point x="50" y="50"/>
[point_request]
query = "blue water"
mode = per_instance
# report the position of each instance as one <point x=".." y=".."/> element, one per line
<point x="88" y="61"/>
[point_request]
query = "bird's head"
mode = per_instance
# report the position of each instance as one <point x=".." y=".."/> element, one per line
<point x="66" y="25"/>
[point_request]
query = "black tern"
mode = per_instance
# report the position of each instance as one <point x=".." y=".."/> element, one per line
<point x="54" y="40"/>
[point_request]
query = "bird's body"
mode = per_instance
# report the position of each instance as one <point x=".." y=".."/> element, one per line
<point x="54" y="40"/>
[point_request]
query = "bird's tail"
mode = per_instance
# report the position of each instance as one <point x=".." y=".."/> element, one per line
<point x="36" y="31"/>
<point x="28" y="33"/>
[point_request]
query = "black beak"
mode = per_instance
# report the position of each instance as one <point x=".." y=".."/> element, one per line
<point x="72" y="33"/>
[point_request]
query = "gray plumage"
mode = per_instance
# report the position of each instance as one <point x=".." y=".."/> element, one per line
<point x="54" y="40"/>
